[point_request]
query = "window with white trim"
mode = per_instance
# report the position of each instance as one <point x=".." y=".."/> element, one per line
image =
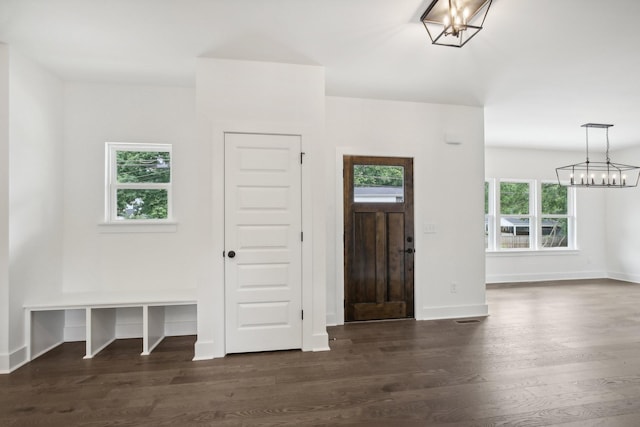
<point x="138" y="182"/>
<point x="528" y="215"/>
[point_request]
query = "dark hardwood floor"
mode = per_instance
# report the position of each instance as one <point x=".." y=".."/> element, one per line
<point x="563" y="353"/>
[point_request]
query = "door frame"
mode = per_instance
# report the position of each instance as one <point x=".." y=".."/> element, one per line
<point x="339" y="218"/>
<point x="211" y="294"/>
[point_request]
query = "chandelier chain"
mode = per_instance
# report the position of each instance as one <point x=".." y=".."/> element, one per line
<point x="607" y="133"/>
<point x="587" y="131"/>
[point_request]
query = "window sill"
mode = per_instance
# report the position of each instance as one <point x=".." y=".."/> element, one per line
<point x="532" y="252"/>
<point x="138" y="227"/>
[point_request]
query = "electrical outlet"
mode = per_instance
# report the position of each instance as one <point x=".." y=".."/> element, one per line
<point x="454" y="287"/>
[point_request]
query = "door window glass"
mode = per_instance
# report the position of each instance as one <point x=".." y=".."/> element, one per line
<point x="378" y="184"/>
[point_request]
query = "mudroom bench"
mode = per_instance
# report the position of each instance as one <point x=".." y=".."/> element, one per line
<point x="46" y="321"/>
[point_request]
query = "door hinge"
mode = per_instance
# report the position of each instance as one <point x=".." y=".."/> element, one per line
<point x="302" y="314"/>
<point x="223" y="254"/>
<point x="302" y="153"/>
<point x="302" y="236"/>
<point x="344" y="303"/>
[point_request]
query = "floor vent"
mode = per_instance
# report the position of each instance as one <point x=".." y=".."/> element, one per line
<point x="468" y="321"/>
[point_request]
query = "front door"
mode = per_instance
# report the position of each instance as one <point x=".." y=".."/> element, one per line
<point x="263" y="249"/>
<point x="378" y="240"/>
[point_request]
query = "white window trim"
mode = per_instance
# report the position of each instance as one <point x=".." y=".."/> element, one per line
<point x="113" y="225"/>
<point x="535" y="220"/>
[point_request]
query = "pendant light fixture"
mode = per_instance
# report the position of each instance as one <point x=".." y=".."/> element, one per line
<point x="605" y="174"/>
<point x="454" y="22"/>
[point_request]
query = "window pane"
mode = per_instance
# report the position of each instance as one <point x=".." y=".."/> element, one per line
<point x="143" y="166"/>
<point x="514" y="232"/>
<point x="142" y="204"/>
<point x="554" y="232"/>
<point x="378" y="184"/>
<point x="486" y="198"/>
<point x="514" y="198"/>
<point x="554" y="199"/>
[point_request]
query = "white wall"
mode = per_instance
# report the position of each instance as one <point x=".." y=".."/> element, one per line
<point x="96" y="259"/>
<point x="622" y="225"/>
<point x="35" y="191"/>
<point x="590" y="258"/>
<point x="246" y="96"/>
<point x="4" y="208"/>
<point x="448" y="193"/>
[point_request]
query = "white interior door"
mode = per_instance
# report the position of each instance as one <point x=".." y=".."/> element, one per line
<point x="263" y="260"/>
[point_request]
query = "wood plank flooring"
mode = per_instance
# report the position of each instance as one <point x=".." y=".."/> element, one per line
<point x="562" y="353"/>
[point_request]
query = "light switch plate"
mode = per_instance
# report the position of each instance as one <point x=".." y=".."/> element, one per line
<point x="429" y="228"/>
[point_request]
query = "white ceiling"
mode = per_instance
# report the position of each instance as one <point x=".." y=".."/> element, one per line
<point x="541" y="68"/>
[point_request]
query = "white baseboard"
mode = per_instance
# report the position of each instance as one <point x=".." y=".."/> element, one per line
<point x="633" y="278"/>
<point x="204" y="350"/>
<point x="454" y="312"/>
<point x="320" y="342"/>
<point x="5" y="366"/>
<point x="12" y="361"/>
<point x="541" y="277"/>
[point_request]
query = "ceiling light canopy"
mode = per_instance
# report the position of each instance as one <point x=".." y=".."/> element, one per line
<point x="605" y="174"/>
<point x="454" y="22"/>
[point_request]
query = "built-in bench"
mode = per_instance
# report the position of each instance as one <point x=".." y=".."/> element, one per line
<point x="45" y="320"/>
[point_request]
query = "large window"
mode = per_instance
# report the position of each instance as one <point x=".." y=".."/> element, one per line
<point x="529" y="215"/>
<point x="138" y="182"/>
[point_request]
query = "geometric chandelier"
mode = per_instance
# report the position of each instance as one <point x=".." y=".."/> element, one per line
<point x="605" y="174"/>
<point x="454" y="22"/>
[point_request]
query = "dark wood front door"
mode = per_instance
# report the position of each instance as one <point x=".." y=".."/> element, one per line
<point x="379" y="239"/>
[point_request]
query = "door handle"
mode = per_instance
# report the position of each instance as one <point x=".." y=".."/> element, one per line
<point x="231" y="254"/>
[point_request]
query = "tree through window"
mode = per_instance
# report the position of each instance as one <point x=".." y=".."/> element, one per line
<point x="139" y="181"/>
<point x="529" y="214"/>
